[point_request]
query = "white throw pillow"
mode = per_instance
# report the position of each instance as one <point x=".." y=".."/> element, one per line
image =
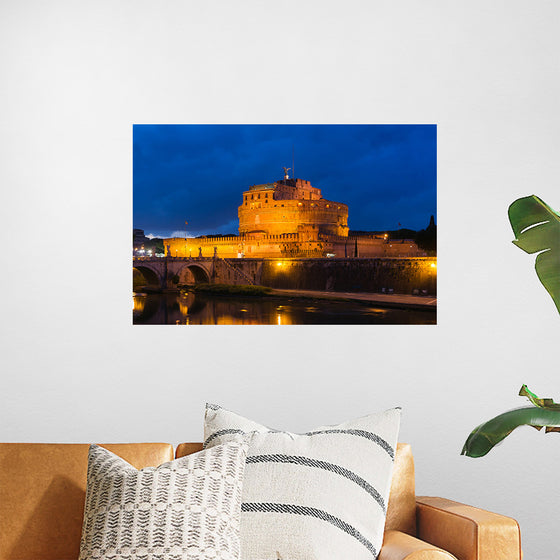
<point x="187" y="509"/>
<point x="321" y="495"/>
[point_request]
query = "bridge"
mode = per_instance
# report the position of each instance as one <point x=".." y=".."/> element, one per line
<point x="392" y="274"/>
<point x="167" y="272"/>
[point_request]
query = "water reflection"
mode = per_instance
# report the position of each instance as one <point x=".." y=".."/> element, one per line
<point x="202" y="309"/>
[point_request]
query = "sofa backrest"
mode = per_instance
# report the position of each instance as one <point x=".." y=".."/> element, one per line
<point x="401" y="510"/>
<point x="42" y="494"/>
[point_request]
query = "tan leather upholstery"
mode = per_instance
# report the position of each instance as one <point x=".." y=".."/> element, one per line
<point x="401" y="510"/>
<point x="467" y="532"/>
<point x="400" y="546"/>
<point x="187" y="448"/>
<point x="42" y="492"/>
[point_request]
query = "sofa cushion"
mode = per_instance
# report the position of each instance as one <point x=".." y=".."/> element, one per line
<point x="42" y="493"/>
<point x="322" y="494"/>
<point x="187" y="509"/>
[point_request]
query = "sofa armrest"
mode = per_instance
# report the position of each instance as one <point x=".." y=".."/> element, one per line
<point x="401" y="546"/>
<point x="467" y="532"/>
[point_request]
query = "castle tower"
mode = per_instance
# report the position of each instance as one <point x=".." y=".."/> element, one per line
<point x="291" y="206"/>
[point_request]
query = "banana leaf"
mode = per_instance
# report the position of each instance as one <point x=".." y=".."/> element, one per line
<point x="536" y="227"/>
<point x="544" y="413"/>
<point x="537" y="401"/>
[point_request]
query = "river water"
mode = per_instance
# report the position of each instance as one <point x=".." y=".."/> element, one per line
<point x="204" y="309"/>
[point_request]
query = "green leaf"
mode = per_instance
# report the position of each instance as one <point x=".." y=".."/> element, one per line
<point x="483" y="438"/>
<point x="542" y="403"/>
<point x="537" y="229"/>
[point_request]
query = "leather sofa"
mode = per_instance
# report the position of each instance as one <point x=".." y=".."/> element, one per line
<point x="42" y="492"/>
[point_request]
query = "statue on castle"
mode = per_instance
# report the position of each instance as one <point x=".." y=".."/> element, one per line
<point x="286" y="169"/>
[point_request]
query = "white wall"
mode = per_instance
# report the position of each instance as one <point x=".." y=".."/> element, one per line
<point x="77" y="75"/>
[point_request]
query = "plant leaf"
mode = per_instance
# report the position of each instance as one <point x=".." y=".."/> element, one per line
<point x="536" y="227"/>
<point x="484" y="437"/>
<point x="541" y="403"/>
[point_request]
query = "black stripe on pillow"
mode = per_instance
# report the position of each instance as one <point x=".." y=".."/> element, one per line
<point x="315" y="463"/>
<point x="360" y="433"/>
<point x="221" y="433"/>
<point x="312" y="512"/>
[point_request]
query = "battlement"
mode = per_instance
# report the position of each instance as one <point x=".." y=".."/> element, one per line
<point x="265" y="186"/>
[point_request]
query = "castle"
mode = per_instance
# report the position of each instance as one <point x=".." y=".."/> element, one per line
<point x="290" y="218"/>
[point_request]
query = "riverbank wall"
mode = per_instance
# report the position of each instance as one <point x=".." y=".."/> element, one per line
<point x="398" y="275"/>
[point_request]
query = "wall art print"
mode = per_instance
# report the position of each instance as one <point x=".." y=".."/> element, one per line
<point x="284" y="224"/>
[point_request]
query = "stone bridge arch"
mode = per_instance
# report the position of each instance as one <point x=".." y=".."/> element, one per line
<point x="193" y="273"/>
<point x="167" y="273"/>
<point x="151" y="274"/>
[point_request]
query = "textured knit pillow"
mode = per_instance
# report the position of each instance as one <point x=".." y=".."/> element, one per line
<point x="187" y="509"/>
<point x="321" y="495"/>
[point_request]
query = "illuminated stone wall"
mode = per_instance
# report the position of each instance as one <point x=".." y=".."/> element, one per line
<point x="291" y="206"/>
<point x="402" y="275"/>
<point x="289" y="218"/>
<point x="371" y="246"/>
<point x="290" y="245"/>
<point x="227" y="247"/>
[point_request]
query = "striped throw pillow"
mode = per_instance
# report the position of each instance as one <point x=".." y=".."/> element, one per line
<point x="187" y="509"/>
<point x="321" y="495"/>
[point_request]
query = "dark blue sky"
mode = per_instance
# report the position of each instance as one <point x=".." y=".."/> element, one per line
<point x="197" y="173"/>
